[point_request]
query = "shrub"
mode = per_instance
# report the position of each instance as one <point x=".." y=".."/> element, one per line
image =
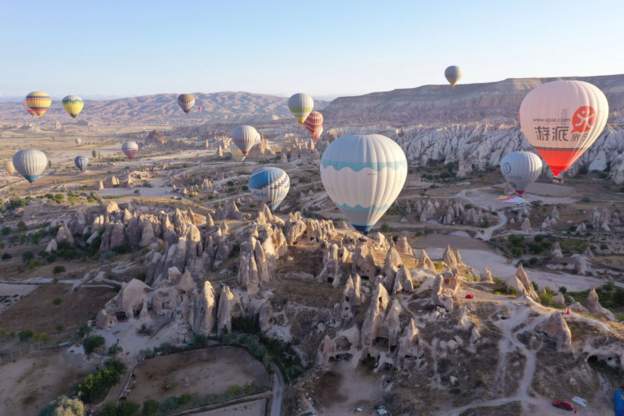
<point x="93" y="342"/>
<point x="84" y="330"/>
<point x="65" y="406"/>
<point x="58" y="269"/>
<point x="6" y="256"/>
<point x="547" y="297"/>
<point x="96" y="385"/>
<point x="57" y="301"/>
<point x="27" y="256"/>
<point x="25" y="335"/>
<point x="21" y="226"/>
<point x="6" y="230"/>
<point x="150" y="408"/>
<point x="123" y="408"/>
<point x="122" y="249"/>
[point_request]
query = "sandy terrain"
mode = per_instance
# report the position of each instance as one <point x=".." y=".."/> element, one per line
<point x="502" y="268"/>
<point x="547" y="194"/>
<point x="27" y="385"/>
<point x="344" y="388"/>
<point x="201" y="372"/>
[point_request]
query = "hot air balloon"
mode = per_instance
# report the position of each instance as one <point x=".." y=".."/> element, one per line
<point x="245" y="137"/>
<point x="30" y="163"/>
<point x="78" y="141"/>
<point x="81" y="162"/>
<point x="453" y="74"/>
<point x="300" y="105"/>
<point x="269" y="185"/>
<point x="130" y="149"/>
<point x="186" y="102"/>
<point x="10" y="168"/>
<point x="314" y="124"/>
<point x="363" y="175"/>
<point x="520" y="169"/>
<point x="73" y="105"/>
<point x="562" y="119"/>
<point x="38" y="102"/>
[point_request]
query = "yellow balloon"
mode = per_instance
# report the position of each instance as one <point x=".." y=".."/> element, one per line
<point x="73" y="105"/>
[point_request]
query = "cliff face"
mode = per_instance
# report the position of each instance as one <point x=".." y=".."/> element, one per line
<point x="474" y="124"/>
<point x="436" y="104"/>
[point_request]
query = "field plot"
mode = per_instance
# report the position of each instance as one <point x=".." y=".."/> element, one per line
<point x="55" y="310"/>
<point x="27" y="385"/>
<point x="211" y="371"/>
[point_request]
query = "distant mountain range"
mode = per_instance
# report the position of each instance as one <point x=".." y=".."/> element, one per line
<point x="220" y="107"/>
<point x="432" y="104"/>
<point x="426" y="105"/>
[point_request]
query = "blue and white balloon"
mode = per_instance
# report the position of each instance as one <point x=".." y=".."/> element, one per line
<point x="363" y="175"/>
<point x="269" y="185"/>
<point x="81" y="163"/>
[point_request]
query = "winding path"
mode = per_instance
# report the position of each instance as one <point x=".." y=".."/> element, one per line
<point x="509" y="342"/>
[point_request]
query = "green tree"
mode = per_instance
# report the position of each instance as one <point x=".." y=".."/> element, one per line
<point x="69" y="407"/>
<point x="93" y="342"/>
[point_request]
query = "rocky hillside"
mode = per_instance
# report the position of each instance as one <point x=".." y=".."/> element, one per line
<point x="223" y="107"/>
<point x="473" y="125"/>
<point x="441" y="104"/>
<point x="480" y="146"/>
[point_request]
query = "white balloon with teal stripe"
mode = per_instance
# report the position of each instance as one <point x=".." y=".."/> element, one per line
<point x="30" y="163"/>
<point x="269" y="185"/>
<point x="363" y="175"/>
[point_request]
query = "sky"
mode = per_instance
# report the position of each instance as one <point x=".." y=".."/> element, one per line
<point x="325" y="48"/>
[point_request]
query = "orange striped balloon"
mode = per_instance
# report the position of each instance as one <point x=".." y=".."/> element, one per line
<point x="313" y="122"/>
<point x="38" y="102"/>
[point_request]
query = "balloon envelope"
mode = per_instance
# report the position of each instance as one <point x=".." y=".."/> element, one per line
<point x="269" y="185"/>
<point x="81" y="162"/>
<point x="314" y="124"/>
<point x="363" y="175"/>
<point x="38" y="102"/>
<point x="562" y="119"/>
<point x="520" y="169"/>
<point x="186" y="102"/>
<point x="130" y="149"/>
<point x="245" y="138"/>
<point x="301" y="105"/>
<point x="30" y="163"/>
<point x="453" y="74"/>
<point x="73" y="105"/>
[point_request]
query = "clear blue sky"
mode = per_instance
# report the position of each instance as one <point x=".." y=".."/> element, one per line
<point x="338" y="47"/>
